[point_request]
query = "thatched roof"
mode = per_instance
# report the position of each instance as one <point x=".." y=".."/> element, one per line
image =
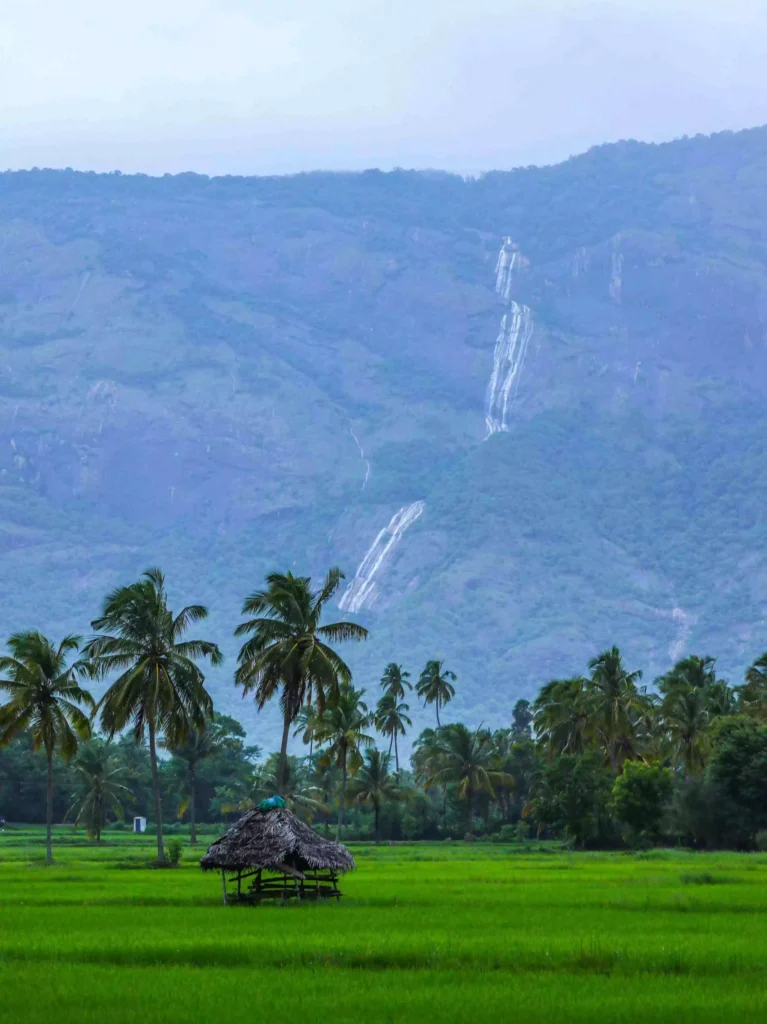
<point x="275" y="840"/>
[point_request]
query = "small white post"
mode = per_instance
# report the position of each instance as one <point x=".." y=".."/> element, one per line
<point x="223" y="884"/>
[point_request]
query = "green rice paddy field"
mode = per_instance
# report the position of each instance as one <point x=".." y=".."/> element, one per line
<point x="443" y="932"/>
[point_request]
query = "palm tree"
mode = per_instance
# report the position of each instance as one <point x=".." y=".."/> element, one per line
<point x="391" y="718"/>
<point x="342" y="727"/>
<point x="298" y="790"/>
<point x="395" y="681"/>
<point x="160" y="689"/>
<point x="196" y="746"/>
<point x="375" y="784"/>
<point x="288" y="651"/>
<point x="434" y="685"/>
<point x="614" y="697"/>
<point x="465" y="759"/>
<point x="693" y="698"/>
<point x="306" y="725"/>
<point x="101" y="788"/>
<point x="687" y="723"/>
<point x="46" y="699"/>
<point x="562" y="717"/>
<point x="752" y="696"/>
<point x="425" y="761"/>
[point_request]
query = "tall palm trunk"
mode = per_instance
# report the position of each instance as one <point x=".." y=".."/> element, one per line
<point x="436" y="705"/>
<point x="396" y="752"/>
<point x="281" y="771"/>
<point x="342" y="798"/>
<point x="192" y="815"/>
<point x="377" y="815"/>
<point x="49" y="809"/>
<point x="156" y="788"/>
<point x="470" y="806"/>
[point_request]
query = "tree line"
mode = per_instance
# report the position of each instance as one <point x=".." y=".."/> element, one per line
<point x="597" y="759"/>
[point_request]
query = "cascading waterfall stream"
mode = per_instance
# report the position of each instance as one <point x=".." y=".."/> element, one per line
<point x="510" y="345"/>
<point x="508" y="357"/>
<point x="361" y="450"/>
<point x="362" y="589"/>
<point x="507" y="262"/>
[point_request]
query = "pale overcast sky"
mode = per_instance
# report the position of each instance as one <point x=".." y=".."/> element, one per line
<point x="270" y="86"/>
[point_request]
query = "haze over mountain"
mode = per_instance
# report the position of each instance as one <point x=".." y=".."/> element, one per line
<point x="527" y="410"/>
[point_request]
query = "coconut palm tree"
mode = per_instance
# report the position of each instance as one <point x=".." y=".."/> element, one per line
<point x="614" y="699"/>
<point x="465" y="759"/>
<point x="100" y="787"/>
<point x="687" y="722"/>
<point x="395" y="681"/>
<point x="160" y="689"/>
<point x="752" y="695"/>
<point x="288" y="651"/>
<point x="342" y="727"/>
<point x="391" y="719"/>
<point x="307" y="720"/>
<point x="298" y="790"/>
<point x="45" y="699"/>
<point x="693" y="698"/>
<point x="196" y="746"/>
<point x="375" y="784"/>
<point x="434" y="685"/>
<point x="562" y="717"/>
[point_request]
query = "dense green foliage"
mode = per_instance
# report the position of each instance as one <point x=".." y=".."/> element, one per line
<point x="611" y="760"/>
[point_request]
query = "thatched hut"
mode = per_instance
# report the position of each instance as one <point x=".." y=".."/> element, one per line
<point x="282" y="856"/>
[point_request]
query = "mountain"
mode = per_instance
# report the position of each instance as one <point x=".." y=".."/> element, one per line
<point x="524" y="413"/>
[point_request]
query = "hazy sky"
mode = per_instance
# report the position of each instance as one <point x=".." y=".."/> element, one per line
<point x="228" y="86"/>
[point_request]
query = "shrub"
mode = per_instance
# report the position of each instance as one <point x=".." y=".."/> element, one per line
<point x="522" y="831"/>
<point x="640" y="797"/>
<point x="506" y="834"/>
<point x="175" y="849"/>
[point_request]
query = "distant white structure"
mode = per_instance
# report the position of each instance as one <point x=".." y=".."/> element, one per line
<point x="139" y="824"/>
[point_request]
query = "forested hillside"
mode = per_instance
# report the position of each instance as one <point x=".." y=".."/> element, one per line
<point x="527" y="412"/>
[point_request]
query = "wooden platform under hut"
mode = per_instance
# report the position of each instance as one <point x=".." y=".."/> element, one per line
<point x="272" y="854"/>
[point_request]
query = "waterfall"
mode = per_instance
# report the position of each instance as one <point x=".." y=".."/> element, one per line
<point x="616" y="276"/>
<point x="362" y="589"/>
<point x="361" y="450"/>
<point x="511" y="343"/>
<point x="508" y="357"/>
<point x="507" y="262"/>
<point x="580" y="262"/>
<point x="684" y="622"/>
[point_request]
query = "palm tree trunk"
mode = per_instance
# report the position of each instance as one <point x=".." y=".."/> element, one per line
<point x="377" y="815"/>
<point x="192" y="816"/>
<point x="156" y="788"/>
<point x="342" y="797"/>
<point x="281" y="773"/>
<point x="396" y="752"/>
<point x="49" y="809"/>
<point x="470" y="806"/>
<point x="613" y="759"/>
<point x="436" y="705"/>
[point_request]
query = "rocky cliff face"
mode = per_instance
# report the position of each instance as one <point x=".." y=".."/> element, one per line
<point x="524" y="414"/>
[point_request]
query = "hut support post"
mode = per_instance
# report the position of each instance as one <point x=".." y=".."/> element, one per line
<point x="223" y="886"/>
<point x="239" y="885"/>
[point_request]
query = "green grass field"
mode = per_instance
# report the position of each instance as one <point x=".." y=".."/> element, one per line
<point x="440" y="932"/>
